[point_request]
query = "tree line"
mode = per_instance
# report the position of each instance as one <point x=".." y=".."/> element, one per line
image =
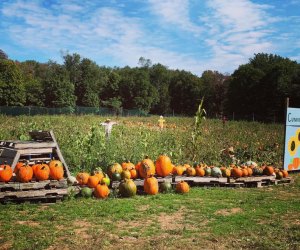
<point x="259" y="86"/>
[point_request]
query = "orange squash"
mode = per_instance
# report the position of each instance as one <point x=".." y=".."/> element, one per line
<point x="200" y="171"/>
<point x="151" y="185"/>
<point x="191" y="171"/>
<point x="178" y="170"/>
<point x="82" y="178"/>
<point x="101" y="191"/>
<point x="147" y="168"/>
<point x="93" y="181"/>
<point x="285" y="173"/>
<point x="127" y="165"/>
<point x="163" y="166"/>
<point x="133" y="173"/>
<point x="182" y="187"/>
<point x="42" y="172"/>
<point x="5" y="173"/>
<point x="236" y="172"/>
<point x="25" y="173"/>
<point x="56" y="171"/>
<point x="268" y="170"/>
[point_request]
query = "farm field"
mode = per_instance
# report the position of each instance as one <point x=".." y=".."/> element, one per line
<point x="205" y="218"/>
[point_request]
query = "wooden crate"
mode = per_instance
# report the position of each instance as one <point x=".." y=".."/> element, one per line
<point x="42" y="147"/>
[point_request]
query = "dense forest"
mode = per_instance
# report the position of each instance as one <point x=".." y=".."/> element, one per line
<point x="259" y="87"/>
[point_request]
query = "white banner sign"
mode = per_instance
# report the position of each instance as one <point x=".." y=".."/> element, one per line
<point x="292" y="140"/>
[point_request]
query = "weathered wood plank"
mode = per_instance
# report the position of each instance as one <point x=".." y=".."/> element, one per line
<point x="198" y="179"/>
<point x="34" y="193"/>
<point x="33" y="185"/>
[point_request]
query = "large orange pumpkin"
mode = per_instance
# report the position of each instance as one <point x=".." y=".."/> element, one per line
<point x="101" y="191"/>
<point x="163" y="166"/>
<point x="5" y="172"/>
<point x="25" y="173"/>
<point x="151" y="185"/>
<point x="146" y="168"/>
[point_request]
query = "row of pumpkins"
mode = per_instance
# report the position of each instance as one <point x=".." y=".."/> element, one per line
<point x="146" y="169"/>
<point x="40" y="171"/>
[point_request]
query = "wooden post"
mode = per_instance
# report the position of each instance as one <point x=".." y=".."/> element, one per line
<point x="287" y="103"/>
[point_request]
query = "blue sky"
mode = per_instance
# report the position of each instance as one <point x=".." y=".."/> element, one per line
<point x="194" y="35"/>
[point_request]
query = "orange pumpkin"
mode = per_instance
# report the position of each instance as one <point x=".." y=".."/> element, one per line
<point x="236" y="172"/>
<point x="151" y="185"/>
<point x="285" y="173"/>
<point x="250" y="171"/>
<point x="182" y="187"/>
<point x="93" y="181"/>
<point x="244" y="172"/>
<point x="178" y="170"/>
<point x="163" y="166"/>
<point x="269" y="170"/>
<point x="200" y="171"/>
<point x="25" y="173"/>
<point x="5" y="173"/>
<point x="133" y="173"/>
<point x="138" y="166"/>
<point x="127" y="165"/>
<point x="82" y="178"/>
<point x="226" y="172"/>
<point x="101" y="191"/>
<point x="191" y="171"/>
<point x="56" y="171"/>
<point x="42" y="172"/>
<point x="147" y="168"/>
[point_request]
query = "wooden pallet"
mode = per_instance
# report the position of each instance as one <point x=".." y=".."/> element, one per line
<point x="40" y="195"/>
<point x="42" y="147"/>
<point x="202" y="181"/>
<point x="33" y="185"/>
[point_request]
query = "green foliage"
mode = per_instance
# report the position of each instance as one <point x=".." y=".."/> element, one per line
<point x="59" y="91"/>
<point x="12" y="92"/>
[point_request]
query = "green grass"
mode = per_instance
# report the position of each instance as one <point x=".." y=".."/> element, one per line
<point x="221" y="218"/>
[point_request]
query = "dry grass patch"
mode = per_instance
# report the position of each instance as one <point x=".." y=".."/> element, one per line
<point x="28" y="223"/>
<point x="228" y="212"/>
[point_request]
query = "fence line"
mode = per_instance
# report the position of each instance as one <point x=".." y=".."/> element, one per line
<point x="32" y="110"/>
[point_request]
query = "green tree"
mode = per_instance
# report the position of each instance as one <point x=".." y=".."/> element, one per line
<point x="214" y="90"/>
<point x="58" y="89"/>
<point x="160" y="79"/>
<point x="185" y="91"/>
<point x="12" y="91"/>
<point x="136" y="90"/>
<point x="261" y="86"/>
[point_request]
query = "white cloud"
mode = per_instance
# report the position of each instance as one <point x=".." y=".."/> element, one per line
<point x="175" y="12"/>
<point x="237" y="29"/>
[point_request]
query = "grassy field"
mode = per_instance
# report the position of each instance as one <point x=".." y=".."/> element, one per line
<point x="205" y="218"/>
